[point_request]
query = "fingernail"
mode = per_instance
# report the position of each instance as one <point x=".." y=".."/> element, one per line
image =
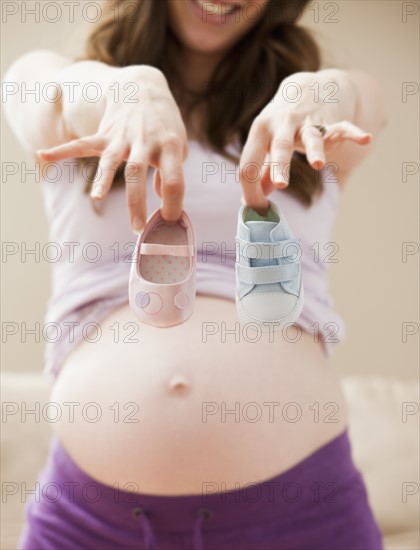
<point x="279" y="179"/>
<point x="97" y="192"/>
<point x="318" y="164"/>
<point x="137" y="224"/>
<point x="281" y="185"/>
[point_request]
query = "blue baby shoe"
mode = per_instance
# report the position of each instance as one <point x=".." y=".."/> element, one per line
<point x="269" y="288"/>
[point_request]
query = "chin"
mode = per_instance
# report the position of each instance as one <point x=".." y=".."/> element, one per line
<point x="208" y="33"/>
<point x="205" y="44"/>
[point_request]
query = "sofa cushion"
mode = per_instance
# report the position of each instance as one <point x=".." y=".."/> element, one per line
<point x="385" y="439"/>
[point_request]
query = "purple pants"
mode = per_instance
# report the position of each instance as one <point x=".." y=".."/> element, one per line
<point x="319" y="504"/>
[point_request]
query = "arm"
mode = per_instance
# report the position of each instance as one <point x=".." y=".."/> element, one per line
<point x="146" y="130"/>
<point x="42" y="124"/>
<point x="369" y="114"/>
<point x="35" y="123"/>
<point x="349" y="104"/>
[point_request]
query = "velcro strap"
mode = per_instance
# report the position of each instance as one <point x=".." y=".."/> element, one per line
<point x="167" y="249"/>
<point x="267" y="274"/>
<point x="268" y="251"/>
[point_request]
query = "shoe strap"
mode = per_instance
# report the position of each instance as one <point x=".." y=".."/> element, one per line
<point x="267" y="274"/>
<point x="167" y="249"/>
<point x="267" y="251"/>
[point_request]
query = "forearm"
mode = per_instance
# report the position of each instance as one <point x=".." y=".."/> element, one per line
<point x="50" y="99"/>
<point x="370" y="111"/>
<point x="361" y="102"/>
<point x="44" y="100"/>
<point x="360" y="98"/>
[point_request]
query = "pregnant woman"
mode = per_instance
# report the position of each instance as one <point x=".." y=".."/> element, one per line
<point x="206" y="434"/>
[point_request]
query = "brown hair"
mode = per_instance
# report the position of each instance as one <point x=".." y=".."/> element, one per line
<point x="274" y="48"/>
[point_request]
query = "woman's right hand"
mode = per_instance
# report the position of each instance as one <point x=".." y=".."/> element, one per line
<point x="147" y="130"/>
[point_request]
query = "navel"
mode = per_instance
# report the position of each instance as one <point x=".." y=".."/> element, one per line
<point x="179" y="385"/>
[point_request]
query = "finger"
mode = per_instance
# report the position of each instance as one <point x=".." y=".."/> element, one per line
<point x="313" y="141"/>
<point x="346" y="130"/>
<point x="267" y="186"/>
<point x="281" y="151"/>
<point x="252" y="165"/>
<point x="135" y="182"/>
<point x="157" y="183"/>
<point x="105" y="174"/>
<point x="172" y="181"/>
<point x="90" y="146"/>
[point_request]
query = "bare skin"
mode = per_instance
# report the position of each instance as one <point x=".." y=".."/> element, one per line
<point x="151" y="132"/>
<point x="183" y="407"/>
<point x="171" y="449"/>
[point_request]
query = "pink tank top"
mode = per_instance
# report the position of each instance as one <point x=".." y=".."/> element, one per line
<point x="91" y="270"/>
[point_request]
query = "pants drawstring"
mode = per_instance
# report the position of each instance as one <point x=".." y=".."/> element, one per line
<point x="202" y="514"/>
<point x="149" y="539"/>
<point x="198" y="539"/>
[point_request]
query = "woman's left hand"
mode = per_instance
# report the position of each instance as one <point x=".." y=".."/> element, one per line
<point x="326" y="98"/>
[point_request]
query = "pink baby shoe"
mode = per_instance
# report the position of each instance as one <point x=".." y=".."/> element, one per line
<point x="162" y="277"/>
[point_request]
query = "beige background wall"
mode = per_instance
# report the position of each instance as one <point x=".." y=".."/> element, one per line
<point x="375" y="291"/>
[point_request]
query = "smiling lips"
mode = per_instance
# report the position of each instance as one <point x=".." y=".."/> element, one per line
<point x="217" y="8"/>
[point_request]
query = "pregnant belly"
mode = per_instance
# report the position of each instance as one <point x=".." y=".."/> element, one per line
<point x="165" y="411"/>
